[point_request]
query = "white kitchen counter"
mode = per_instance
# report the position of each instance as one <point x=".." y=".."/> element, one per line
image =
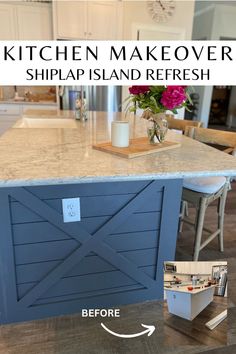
<point x="184" y="289"/>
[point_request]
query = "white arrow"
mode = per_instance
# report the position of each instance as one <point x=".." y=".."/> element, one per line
<point x="149" y="331"/>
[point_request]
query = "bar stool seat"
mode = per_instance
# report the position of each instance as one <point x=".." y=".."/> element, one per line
<point x="206" y="185"/>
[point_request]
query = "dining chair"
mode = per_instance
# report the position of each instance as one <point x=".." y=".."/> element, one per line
<point x="200" y="192"/>
<point x="181" y="124"/>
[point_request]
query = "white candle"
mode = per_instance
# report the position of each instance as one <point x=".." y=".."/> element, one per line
<point x="120" y="133"/>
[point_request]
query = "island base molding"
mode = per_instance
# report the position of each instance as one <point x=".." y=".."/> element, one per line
<point x="113" y="256"/>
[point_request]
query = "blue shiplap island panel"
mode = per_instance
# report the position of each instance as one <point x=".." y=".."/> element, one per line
<point x="113" y="256"/>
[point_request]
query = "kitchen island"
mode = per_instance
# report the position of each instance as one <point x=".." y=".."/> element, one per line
<point x="129" y="216"/>
<point x="188" y="303"/>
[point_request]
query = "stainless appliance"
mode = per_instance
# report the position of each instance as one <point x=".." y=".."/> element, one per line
<point x="195" y="280"/>
<point x="169" y="267"/>
<point x="219" y="274"/>
<point x="98" y="98"/>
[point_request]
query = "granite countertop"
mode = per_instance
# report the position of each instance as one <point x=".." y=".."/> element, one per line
<point x="184" y="289"/>
<point x="57" y="156"/>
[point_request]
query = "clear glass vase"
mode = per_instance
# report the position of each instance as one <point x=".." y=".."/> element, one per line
<point x="157" y="128"/>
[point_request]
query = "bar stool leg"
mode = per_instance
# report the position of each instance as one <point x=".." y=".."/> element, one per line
<point x="182" y="215"/>
<point x="199" y="227"/>
<point x="221" y="214"/>
<point x="186" y="209"/>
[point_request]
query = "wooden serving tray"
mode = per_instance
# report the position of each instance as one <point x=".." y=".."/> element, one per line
<point x="137" y="147"/>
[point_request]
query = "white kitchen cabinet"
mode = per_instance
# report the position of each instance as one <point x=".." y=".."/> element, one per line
<point x="183" y="267"/>
<point x="203" y="267"/>
<point x="34" y="22"/>
<point x="191" y="268"/>
<point x="195" y="268"/>
<point x="102" y="20"/>
<point x="70" y="19"/>
<point x="6" y="123"/>
<point x="10" y="110"/>
<point x="8" y="116"/>
<point x="25" y="21"/>
<point x="8" y="25"/>
<point x="97" y="20"/>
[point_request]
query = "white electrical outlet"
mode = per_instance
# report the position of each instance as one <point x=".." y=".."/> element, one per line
<point x="71" y="209"/>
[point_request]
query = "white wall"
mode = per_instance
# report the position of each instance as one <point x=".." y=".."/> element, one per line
<point x="205" y="94"/>
<point x="224" y="24"/>
<point x="214" y="19"/>
<point x="203" y="24"/>
<point x="135" y="12"/>
<point x="135" y="16"/>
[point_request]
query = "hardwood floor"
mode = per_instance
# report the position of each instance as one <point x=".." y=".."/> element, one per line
<point x="179" y="330"/>
<point x="73" y="334"/>
<point x="76" y="335"/>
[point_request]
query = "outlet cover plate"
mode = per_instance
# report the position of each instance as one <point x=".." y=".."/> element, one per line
<point x="71" y="209"/>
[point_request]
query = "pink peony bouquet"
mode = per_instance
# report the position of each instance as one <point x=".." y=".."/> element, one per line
<point x="158" y="99"/>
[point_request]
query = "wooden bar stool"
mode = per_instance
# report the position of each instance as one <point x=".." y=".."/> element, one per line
<point x="200" y="192"/>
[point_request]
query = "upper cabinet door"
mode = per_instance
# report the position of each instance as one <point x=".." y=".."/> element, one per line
<point x="70" y="19"/>
<point x="8" y="29"/>
<point x="34" y="22"/>
<point x="102" y="20"/>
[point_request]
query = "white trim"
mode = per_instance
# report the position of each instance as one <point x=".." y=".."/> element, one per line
<point x="157" y="28"/>
<point x="216" y="320"/>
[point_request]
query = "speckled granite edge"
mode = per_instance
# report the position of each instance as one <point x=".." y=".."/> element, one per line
<point x="31" y="157"/>
<point x="100" y="179"/>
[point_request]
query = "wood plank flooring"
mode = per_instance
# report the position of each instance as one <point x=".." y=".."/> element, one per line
<point x="76" y="335"/>
<point x="73" y="334"/>
<point x="179" y="330"/>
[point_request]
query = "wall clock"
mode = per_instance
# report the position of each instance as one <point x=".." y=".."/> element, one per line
<point x="161" y="10"/>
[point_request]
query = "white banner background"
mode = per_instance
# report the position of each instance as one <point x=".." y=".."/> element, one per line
<point x="221" y="71"/>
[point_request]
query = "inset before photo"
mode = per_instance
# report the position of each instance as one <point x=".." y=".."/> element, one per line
<point x="195" y="303"/>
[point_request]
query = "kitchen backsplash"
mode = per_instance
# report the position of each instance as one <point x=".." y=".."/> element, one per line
<point x="184" y="277"/>
<point x="41" y="93"/>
